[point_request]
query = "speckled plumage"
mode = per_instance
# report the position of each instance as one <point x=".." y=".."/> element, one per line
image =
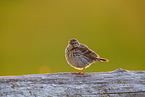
<point x="80" y="56"/>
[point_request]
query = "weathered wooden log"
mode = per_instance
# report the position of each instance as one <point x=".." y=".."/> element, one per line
<point x="118" y="83"/>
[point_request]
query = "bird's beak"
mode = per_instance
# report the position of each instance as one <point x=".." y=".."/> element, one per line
<point x="76" y="45"/>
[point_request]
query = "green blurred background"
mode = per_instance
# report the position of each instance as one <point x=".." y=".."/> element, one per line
<point x="35" y="33"/>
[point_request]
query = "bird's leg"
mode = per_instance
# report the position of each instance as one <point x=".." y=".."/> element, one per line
<point x="79" y="72"/>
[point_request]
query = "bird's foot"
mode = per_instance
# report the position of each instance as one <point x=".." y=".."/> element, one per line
<point x="79" y="73"/>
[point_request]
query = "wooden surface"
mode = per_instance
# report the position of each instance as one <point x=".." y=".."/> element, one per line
<point x="118" y="83"/>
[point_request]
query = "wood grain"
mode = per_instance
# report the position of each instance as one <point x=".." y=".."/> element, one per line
<point x="118" y="83"/>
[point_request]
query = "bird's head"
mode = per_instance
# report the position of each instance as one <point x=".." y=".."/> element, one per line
<point x="74" y="43"/>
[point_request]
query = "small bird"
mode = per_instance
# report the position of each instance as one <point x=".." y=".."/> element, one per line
<point x="80" y="56"/>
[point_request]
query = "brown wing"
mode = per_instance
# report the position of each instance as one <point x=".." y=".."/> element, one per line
<point x="88" y="52"/>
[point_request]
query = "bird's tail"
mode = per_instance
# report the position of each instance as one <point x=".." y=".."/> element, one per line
<point x="103" y="59"/>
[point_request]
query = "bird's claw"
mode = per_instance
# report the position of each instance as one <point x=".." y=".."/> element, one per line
<point x="79" y="73"/>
